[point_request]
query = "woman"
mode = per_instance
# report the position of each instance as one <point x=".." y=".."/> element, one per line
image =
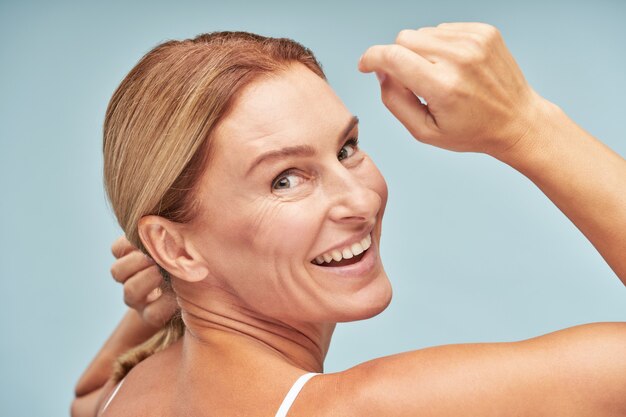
<point x="231" y="162"/>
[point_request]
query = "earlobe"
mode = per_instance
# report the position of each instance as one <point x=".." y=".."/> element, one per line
<point x="168" y="247"/>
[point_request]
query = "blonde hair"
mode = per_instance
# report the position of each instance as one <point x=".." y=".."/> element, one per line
<point x="157" y="132"/>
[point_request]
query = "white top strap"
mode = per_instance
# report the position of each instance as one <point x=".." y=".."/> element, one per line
<point x="112" y="395"/>
<point x="293" y="393"/>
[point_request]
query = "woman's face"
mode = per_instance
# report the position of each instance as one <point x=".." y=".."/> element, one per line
<point x="287" y="186"/>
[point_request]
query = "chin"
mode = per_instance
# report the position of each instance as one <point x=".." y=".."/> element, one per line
<point x="368" y="302"/>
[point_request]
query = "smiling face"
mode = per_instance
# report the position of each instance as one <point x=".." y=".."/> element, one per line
<point x="287" y="189"/>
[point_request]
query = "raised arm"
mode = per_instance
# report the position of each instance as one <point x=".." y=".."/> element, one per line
<point x="582" y="176"/>
<point x="478" y="101"/>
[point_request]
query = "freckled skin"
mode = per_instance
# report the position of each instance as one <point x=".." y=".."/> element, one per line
<point x="260" y="241"/>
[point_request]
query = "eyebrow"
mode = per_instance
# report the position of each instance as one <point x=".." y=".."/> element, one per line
<point x="299" y="150"/>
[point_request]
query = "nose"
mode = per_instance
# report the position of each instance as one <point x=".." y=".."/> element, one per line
<point x="352" y="200"/>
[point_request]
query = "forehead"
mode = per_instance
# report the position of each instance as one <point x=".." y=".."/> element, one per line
<point x="290" y="107"/>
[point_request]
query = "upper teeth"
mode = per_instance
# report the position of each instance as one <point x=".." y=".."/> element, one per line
<point x="345" y="253"/>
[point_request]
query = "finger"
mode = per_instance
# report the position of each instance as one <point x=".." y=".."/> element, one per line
<point x="408" y="109"/>
<point x="431" y="32"/>
<point x="129" y="265"/>
<point x="121" y="247"/>
<point x="409" y="68"/>
<point x="434" y="44"/>
<point x="140" y="285"/>
<point x="160" y="311"/>
<point x="469" y="27"/>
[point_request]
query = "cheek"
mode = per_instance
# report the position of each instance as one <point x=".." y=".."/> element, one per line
<point x="257" y="246"/>
<point x="269" y="246"/>
<point x="286" y="230"/>
<point x="261" y="233"/>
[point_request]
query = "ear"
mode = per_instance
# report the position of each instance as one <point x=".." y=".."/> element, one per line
<point x="170" y="247"/>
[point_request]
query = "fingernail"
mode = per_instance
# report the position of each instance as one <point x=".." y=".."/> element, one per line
<point x="381" y="76"/>
<point x="154" y="295"/>
<point x="361" y="59"/>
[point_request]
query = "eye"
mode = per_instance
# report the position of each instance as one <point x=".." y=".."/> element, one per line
<point x="348" y="149"/>
<point x="286" y="180"/>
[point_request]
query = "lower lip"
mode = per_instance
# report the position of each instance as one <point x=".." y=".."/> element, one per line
<point x="367" y="263"/>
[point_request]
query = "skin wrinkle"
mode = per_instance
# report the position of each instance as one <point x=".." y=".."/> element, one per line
<point x="267" y="214"/>
<point x="299" y="150"/>
<point x="221" y="324"/>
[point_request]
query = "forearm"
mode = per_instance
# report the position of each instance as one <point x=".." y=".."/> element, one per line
<point x="584" y="178"/>
<point x="130" y="332"/>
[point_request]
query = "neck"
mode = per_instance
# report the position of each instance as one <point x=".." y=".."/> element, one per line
<point x="214" y="318"/>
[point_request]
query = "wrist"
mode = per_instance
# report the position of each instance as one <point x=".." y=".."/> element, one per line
<point x="541" y="122"/>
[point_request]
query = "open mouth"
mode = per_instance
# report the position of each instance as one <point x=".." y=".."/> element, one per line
<point x="346" y="256"/>
<point x="343" y="262"/>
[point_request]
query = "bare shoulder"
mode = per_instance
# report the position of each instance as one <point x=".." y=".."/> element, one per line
<point x="144" y="391"/>
<point x="572" y="372"/>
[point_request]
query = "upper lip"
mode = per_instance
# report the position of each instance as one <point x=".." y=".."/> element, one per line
<point x="348" y="242"/>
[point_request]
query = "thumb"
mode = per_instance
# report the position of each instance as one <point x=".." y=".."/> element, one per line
<point x="407" y="108"/>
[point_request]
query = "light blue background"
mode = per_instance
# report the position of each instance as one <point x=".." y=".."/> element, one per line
<point x="474" y="250"/>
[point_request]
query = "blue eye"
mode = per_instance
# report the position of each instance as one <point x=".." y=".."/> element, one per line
<point x="349" y="149"/>
<point x="286" y="180"/>
<point x="292" y="177"/>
